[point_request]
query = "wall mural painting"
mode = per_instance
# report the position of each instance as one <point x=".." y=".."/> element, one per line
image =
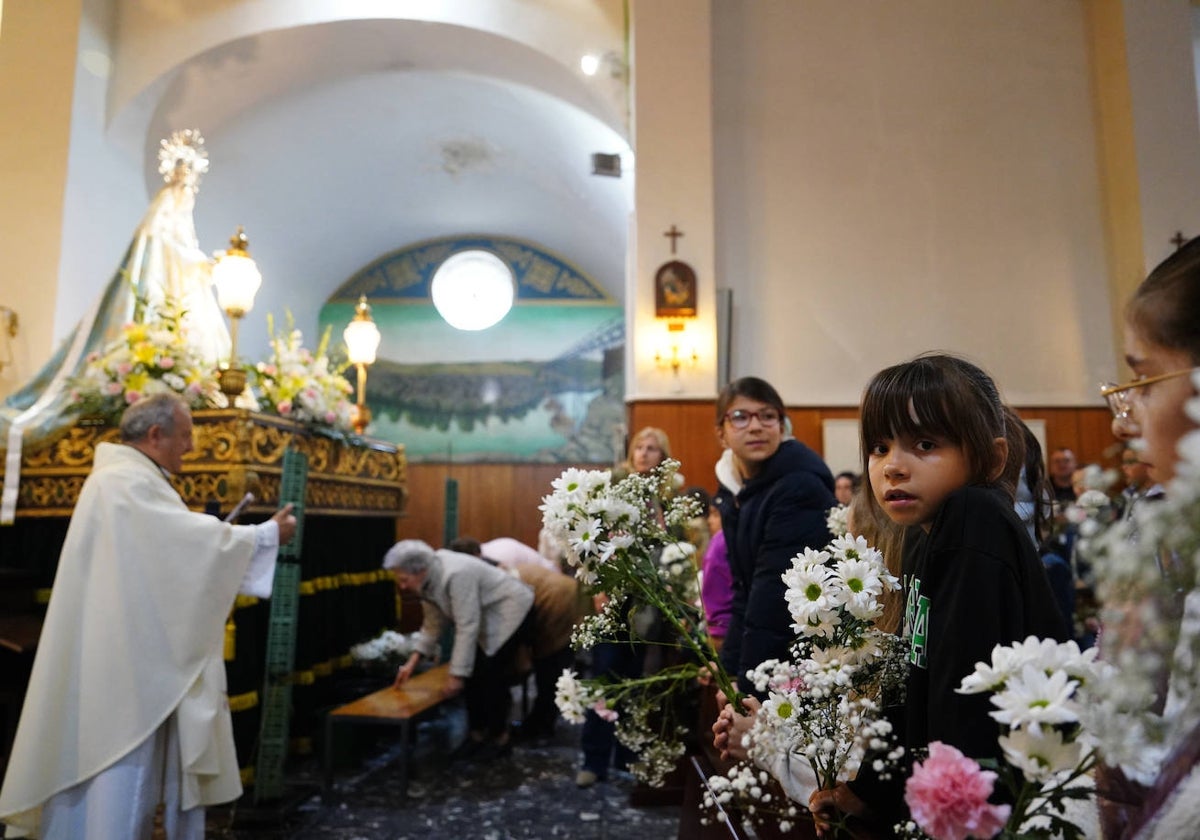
<point x="544" y="385"/>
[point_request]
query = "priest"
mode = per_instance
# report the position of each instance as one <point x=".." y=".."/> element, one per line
<point x="126" y="722"/>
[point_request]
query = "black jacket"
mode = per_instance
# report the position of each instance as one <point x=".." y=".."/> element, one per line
<point x="974" y="582"/>
<point x="775" y="516"/>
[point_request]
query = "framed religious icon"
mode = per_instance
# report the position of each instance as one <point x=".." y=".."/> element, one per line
<point x="675" y="290"/>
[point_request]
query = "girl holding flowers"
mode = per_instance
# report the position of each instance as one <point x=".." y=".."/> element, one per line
<point x="934" y="451"/>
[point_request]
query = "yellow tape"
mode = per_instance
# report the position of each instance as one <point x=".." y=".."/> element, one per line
<point x="242" y="702"/>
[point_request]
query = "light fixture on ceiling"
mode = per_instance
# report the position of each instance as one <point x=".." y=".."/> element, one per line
<point x="592" y="63"/>
<point x="473" y="290"/>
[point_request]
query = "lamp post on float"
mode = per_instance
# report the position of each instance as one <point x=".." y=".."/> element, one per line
<point x="237" y="279"/>
<point x="362" y="340"/>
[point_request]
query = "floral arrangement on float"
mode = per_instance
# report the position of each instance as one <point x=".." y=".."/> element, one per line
<point x="619" y="536"/>
<point x="149" y="357"/>
<point x="302" y="385"/>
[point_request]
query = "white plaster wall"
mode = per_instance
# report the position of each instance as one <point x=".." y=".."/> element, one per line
<point x="105" y="193"/>
<point x="673" y="141"/>
<point x="1158" y="42"/>
<point x="899" y="177"/>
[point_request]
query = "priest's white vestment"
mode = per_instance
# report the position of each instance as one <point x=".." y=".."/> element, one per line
<point x="130" y="658"/>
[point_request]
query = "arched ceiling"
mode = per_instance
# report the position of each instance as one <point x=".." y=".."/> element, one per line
<point x="337" y="142"/>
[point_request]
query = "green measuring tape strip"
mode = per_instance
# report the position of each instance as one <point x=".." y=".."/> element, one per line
<point x="281" y="639"/>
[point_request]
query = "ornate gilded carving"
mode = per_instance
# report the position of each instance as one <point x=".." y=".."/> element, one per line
<point x="235" y="451"/>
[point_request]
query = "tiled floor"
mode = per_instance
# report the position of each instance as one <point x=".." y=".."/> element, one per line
<point x="530" y="794"/>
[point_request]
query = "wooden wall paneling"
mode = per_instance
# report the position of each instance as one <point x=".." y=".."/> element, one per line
<point x="690" y="426"/>
<point x="502" y="499"/>
<point x="1085" y="431"/>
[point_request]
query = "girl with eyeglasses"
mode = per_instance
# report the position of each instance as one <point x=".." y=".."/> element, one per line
<point x="773" y="497"/>
<point x="1162" y="346"/>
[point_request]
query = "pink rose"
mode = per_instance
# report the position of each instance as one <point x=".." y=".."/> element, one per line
<point x="131" y="397"/>
<point x="124" y="369"/>
<point x="112" y="389"/>
<point x="166" y="362"/>
<point x="947" y="795"/>
<point x="285" y="407"/>
<point x="330" y="417"/>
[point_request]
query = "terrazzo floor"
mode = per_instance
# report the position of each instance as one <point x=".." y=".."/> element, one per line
<point x="529" y="794"/>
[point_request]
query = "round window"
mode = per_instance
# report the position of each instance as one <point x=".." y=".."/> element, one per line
<point x="473" y="290"/>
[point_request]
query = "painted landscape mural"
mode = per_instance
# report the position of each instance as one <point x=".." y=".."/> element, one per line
<point x="545" y="384"/>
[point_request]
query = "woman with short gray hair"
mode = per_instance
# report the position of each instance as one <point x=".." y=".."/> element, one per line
<point x="492" y="616"/>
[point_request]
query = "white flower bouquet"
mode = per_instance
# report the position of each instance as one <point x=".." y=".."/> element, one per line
<point x="150" y="357"/>
<point x="620" y="538"/>
<point x="824" y="705"/>
<point x="301" y="385"/>
<point x="1041" y="690"/>
<point x="385" y="652"/>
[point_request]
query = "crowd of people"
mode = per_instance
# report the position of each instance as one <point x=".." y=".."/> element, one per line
<point x="953" y="487"/>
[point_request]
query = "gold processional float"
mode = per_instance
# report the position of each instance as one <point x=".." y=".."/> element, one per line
<point x="49" y="441"/>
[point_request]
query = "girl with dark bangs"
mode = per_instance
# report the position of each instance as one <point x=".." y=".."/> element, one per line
<point x="935" y="446"/>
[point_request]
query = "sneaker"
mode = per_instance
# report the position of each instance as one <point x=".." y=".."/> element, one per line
<point x="586" y="778"/>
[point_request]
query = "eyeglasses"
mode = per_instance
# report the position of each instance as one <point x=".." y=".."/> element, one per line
<point x="739" y="419"/>
<point x="1120" y="397"/>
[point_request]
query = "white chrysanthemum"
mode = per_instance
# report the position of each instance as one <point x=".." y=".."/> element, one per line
<point x="675" y="552"/>
<point x="1040" y="755"/>
<point x="837" y="521"/>
<point x="585" y="537"/>
<point x="571" y="697"/>
<point x="1033" y="699"/>
<point x="813" y="596"/>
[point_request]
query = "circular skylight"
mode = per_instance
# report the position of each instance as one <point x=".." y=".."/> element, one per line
<point x="473" y="290"/>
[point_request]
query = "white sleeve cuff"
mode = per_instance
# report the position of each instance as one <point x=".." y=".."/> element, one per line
<point x="260" y="577"/>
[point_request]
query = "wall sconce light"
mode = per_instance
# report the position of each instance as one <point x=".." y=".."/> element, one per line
<point x="8" y="329"/>
<point x="237" y="279"/>
<point x="674" y="354"/>
<point x="362" y="341"/>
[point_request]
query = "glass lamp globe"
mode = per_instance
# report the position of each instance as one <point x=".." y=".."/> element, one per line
<point x="473" y="290"/>
<point x="361" y="335"/>
<point x="236" y="277"/>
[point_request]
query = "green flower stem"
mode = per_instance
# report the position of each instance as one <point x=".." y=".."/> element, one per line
<point x="703" y="650"/>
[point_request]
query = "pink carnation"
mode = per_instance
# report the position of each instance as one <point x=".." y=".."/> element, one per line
<point x="284" y="407"/>
<point x="112" y="389"/>
<point x="166" y="362"/>
<point x="131" y="397"/>
<point x="124" y="369"/>
<point x="947" y="795"/>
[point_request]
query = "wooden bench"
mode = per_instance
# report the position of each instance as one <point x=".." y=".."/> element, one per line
<point x="390" y="707"/>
